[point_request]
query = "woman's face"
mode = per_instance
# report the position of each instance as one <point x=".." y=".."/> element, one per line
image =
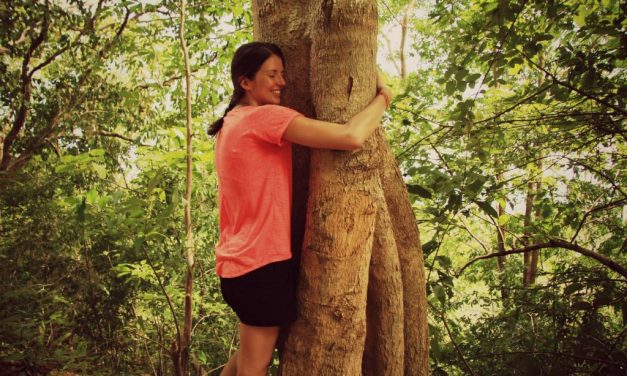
<point x="265" y="87"/>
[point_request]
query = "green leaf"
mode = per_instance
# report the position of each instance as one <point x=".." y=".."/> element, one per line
<point x="476" y="185"/>
<point x="100" y="170"/>
<point x="572" y="288"/>
<point x="430" y="246"/>
<point x="543" y="37"/>
<point x="489" y="7"/>
<point x="444" y="261"/>
<point x="439" y="293"/>
<point x="487" y="208"/>
<point x="155" y="180"/>
<point x="91" y="196"/>
<point x="80" y="209"/>
<point x="97" y="153"/>
<point x="503" y="219"/>
<point x="580" y="18"/>
<point x="419" y="190"/>
<point x="450" y="87"/>
<point x="581" y="305"/>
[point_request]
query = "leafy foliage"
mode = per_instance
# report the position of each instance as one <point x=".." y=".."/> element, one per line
<point x="512" y="120"/>
<point x="515" y="127"/>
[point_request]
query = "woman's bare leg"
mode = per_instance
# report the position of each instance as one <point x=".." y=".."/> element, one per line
<point x="230" y="369"/>
<point x="256" y="345"/>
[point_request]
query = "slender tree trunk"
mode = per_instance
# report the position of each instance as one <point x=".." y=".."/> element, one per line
<point x="181" y="350"/>
<point x="500" y="231"/>
<point x="500" y="241"/>
<point x="361" y="295"/>
<point x="527" y="231"/>
<point x="533" y="257"/>
<point x="404" y="29"/>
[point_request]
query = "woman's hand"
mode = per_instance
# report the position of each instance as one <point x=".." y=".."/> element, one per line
<point x="383" y="90"/>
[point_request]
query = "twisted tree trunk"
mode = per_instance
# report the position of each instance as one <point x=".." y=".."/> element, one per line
<point x="362" y="300"/>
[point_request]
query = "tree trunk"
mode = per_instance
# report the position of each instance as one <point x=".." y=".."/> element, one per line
<point x="526" y="239"/>
<point x="181" y="347"/>
<point x="533" y="257"/>
<point x="404" y="29"/>
<point x="361" y="293"/>
<point x="500" y="242"/>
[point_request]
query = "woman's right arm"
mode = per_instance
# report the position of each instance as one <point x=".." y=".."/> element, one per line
<point x="350" y="136"/>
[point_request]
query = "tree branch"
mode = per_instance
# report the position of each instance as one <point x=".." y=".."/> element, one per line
<point x="609" y="205"/>
<point x="571" y="87"/>
<point x="500" y="47"/>
<point x="530" y="97"/>
<point x="88" y="26"/>
<point x="76" y="98"/>
<point x="450" y="336"/>
<point x="20" y="117"/>
<point x="554" y="243"/>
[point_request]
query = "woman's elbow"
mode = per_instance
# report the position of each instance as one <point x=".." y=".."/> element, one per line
<point x="352" y="139"/>
<point x="354" y="142"/>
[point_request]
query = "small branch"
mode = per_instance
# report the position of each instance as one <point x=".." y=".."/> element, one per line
<point x="554" y="243"/>
<point x="598" y="172"/>
<point x="609" y="205"/>
<point x="500" y="47"/>
<point x="179" y="76"/>
<point x="88" y="26"/>
<point x="465" y="227"/>
<point x="514" y="106"/>
<point x="151" y="340"/>
<point x="417" y="143"/>
<point x="165" y="293"/>
<point x="571" y="87"/>
<point x="553" y="354"/>
<point x="22" y="114"/>
<point x="120" y="136"/>
<point x="450" y="336"/>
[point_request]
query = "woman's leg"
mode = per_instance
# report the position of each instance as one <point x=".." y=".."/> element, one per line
<point x="256" y="344"/>
<point x="230" y="368"/>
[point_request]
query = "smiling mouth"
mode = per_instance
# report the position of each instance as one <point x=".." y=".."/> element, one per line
<point x="277" y="92"/>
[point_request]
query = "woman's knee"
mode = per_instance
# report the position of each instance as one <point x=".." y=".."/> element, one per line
<point x="257" y="367"/>
<point x="256" y="349"/>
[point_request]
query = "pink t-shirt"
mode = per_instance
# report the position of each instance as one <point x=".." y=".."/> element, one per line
<point x="254" y="166"/>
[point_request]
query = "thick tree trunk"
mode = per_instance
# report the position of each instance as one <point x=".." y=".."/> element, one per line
<point x="362" y="300"/>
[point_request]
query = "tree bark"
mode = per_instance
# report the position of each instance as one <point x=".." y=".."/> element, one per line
<point x="361" y="293"/>
<point x="181" y="352"/>
<point x="404" y="29"/>
<point x="526" y="239"/>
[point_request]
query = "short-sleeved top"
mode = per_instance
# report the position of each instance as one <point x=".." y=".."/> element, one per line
<point x="254" y="166"/>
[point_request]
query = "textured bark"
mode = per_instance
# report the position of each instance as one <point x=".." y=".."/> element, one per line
<point x="407" y="239"/>
<point x="527" y="231"/>
<point x="404" y="29"/>
<point x="533" y="258"/>
<point x="384" y="312"/>
<point x="361" y="295"/>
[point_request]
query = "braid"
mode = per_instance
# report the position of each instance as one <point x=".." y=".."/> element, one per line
<point x="217" y="125"/>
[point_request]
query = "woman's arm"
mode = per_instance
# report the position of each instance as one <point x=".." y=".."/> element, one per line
<point x="350" y="136"/>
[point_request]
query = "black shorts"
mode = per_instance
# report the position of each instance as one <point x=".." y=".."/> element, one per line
<point x="265" y="296"/>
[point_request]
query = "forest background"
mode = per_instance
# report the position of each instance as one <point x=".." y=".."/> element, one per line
<point x="508" y="125"/>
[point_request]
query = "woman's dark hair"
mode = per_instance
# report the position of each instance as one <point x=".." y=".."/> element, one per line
<point x="246" y="63"/>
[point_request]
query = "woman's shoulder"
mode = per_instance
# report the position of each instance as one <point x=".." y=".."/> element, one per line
<point x="268" y="110"/>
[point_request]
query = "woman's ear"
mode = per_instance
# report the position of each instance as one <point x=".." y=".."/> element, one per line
<point x="244" y="83"/>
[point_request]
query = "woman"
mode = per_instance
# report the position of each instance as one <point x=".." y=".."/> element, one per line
<point x="254" y="166"/>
